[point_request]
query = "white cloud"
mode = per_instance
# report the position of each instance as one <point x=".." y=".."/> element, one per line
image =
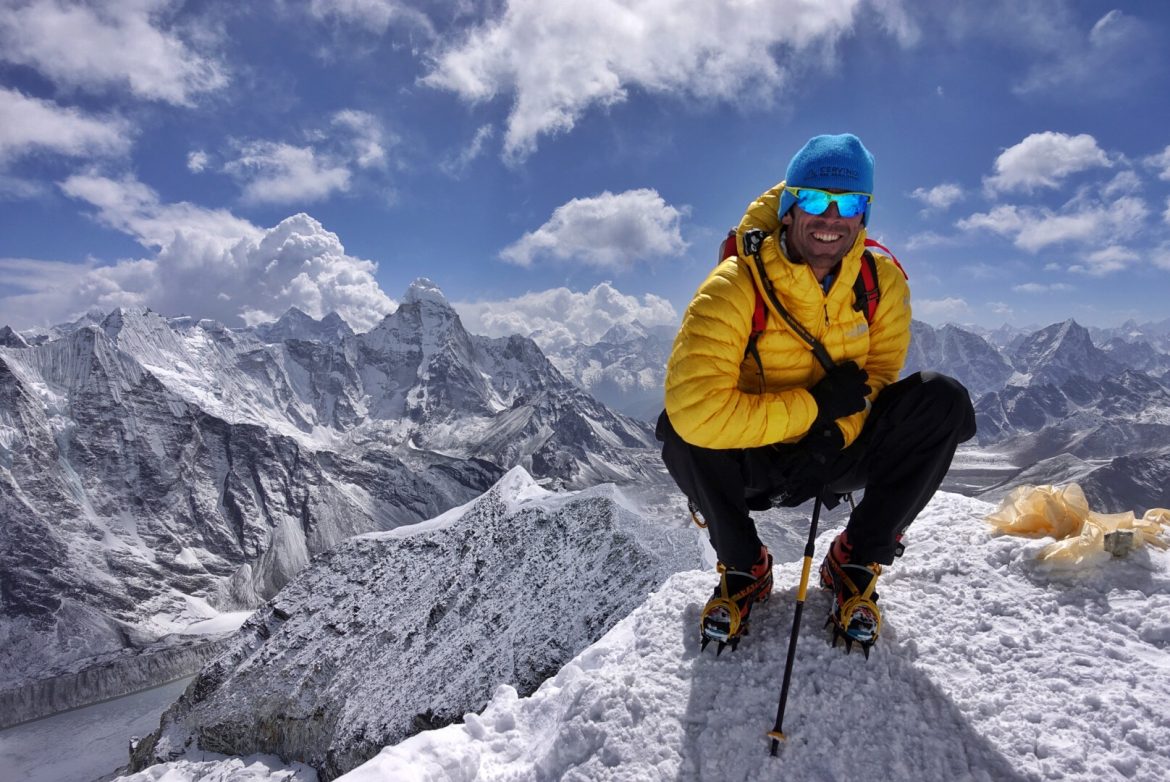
<point x="1043" y="160"/>
<point x="607" y="231"/>
<point x="375" y="15"/>
<point x="30" y="124"/>
<point x="1039" y="287"/>
<point x="1105" y="261"/>
<point x="561" y="59"/>
<point x="197" y="161"/>
<point x="131" y="207"/>
<point x="209" y="264"/>
<point x="109" y="43"/>
<point x="456" y="165"/>
<point x="941" y="309"/>
<point x="1161" y="163"/>
<point x="1166" y="214"/>
<point x="368" y="144"/>
<point x="1033" y="229"/>
<point x="939" y="197"/>
<point x="273" y="172"/>
<point x="560" y="317"/>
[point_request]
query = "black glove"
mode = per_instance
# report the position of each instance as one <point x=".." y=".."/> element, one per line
<point x="822" y="443"/>
<point x="841" y="392"/>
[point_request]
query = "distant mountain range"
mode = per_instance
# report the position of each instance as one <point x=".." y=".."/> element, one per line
<point x="1061" y="402"/>
<point x="155" y="471"/>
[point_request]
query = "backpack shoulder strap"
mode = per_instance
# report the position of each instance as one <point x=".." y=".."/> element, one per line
<point x="727" y="250"/>
<point x="866" y="293"/>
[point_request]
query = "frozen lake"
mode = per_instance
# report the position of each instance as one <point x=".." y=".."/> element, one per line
<point x="83" y="744"/>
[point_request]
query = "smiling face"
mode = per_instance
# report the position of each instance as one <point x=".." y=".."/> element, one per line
<point x="820" y="241"/>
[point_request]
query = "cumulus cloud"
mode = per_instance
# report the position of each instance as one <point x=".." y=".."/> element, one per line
<point x="208" y="264"/>
<point x="608" y="231"/>
<point x="560" y="317"/>
<point x="558" y="60"/>
<point x="939" y="197"/>
<point x="1043" y="160"/>
<point x="96" y="45"/>
<point x="272" y="172"/>
<point x="31" y="124"/>
<point x="1161" y="163"/>
<point x="1034" y="228"/>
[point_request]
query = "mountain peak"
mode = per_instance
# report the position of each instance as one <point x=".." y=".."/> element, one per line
<point x="423" y="289"/>
<point x="11" y="339"/>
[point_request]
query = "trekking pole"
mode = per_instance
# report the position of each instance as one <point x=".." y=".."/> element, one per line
<point x="777" y="732"/>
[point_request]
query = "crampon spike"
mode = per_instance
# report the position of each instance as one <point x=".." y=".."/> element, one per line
<point x="703" y="644"/>
<point x="719" y="651"/>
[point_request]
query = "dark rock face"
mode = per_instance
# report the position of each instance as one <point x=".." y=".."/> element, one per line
<point x="394" y="633"/>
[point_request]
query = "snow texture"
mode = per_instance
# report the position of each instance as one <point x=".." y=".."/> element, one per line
<point x="990" y="667"/>
<point x="395" y="632"/>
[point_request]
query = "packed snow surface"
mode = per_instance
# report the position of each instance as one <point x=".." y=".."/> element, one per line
<point x="989" y="668"/>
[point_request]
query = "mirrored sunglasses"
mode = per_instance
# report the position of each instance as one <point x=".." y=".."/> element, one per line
<point x="815" y="201"/>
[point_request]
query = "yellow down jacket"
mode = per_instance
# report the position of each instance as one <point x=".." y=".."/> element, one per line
<point x="716" y="396"/>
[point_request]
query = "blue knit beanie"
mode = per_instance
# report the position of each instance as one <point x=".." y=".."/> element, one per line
<point x="830" y="163"/>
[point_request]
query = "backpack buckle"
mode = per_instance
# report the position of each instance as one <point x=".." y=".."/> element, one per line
<point x="753" y="240"/>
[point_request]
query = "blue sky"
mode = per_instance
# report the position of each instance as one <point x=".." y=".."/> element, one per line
<point x="564" y="166"/>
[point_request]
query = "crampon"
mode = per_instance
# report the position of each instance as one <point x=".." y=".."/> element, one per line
<point x="855" y="616"/>
<point x="725" y="617"/>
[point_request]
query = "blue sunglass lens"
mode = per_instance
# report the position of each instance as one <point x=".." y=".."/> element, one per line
<point x="815" y="202"/>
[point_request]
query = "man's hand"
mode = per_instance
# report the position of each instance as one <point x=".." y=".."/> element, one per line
<point x="841" y="392"/>
<point x="823" y="442"/>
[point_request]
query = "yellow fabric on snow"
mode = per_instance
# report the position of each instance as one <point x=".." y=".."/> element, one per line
<point x="1063" y="512"/>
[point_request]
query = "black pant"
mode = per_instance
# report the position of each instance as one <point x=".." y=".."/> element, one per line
<point x="900" y="458"/>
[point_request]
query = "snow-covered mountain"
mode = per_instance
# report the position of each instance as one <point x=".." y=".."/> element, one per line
<point x="625" y="369"/>
<point x="1062" y="351"/>
<point x="953" y="351"/>
<point x="153" y="473"/>
<point x="396" y="632"/>
<point x="991" y="666"/>
<point x="295" y="324"/>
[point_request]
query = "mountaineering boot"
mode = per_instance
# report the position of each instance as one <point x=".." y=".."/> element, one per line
<point x="725" y="617"/>
<point x="855" y="616"/>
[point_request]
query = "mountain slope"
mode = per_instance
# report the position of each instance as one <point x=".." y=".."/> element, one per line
<point x="989" y="669"/>
<point x="155" y="472"/>
<point x="392" y="633"/>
